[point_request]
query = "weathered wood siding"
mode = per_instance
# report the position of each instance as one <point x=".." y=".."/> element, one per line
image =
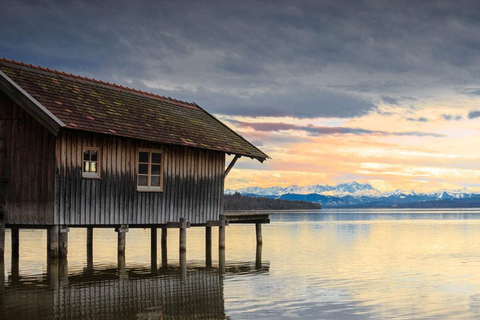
<point x="27" y="158"/>
<point x="192" y="185"/>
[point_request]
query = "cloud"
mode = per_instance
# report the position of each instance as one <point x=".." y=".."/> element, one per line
<point x="419" y="119"/>
<point x="450" y="117"/>
<point x="318" y="131"/>
<point x="474" y="114"/>
<point x="258" y="58"/>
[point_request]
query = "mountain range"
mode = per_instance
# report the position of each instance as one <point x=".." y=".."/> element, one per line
<point x="364" y="195"/>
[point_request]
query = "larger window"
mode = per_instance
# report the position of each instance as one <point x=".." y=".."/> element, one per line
<point x="150" y="168"/>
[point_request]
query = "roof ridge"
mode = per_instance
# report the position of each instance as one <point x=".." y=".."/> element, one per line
<point x="114" y="85"/>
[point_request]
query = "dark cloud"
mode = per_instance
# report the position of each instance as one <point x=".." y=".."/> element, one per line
<point x="474" y="114"/>
<point x="389" y="100"/>
<point x="318" y="131"/>
<point x="471" y="91"/>
<point x="419" y="119"/>
<point x="450" y="117"/>
<point x="305" y="59"/>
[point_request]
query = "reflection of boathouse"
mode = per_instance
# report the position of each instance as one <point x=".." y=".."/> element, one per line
<point x="171" y="295"/>
<point x="77" y="152"/>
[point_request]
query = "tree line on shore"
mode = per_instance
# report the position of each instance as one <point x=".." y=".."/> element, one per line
<point x="238" y="202"/>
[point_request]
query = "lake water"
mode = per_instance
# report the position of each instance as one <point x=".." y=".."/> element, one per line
<point x="333" y="264"/>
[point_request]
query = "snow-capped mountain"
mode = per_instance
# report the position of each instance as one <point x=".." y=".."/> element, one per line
<point x="361" y="194"/>
<point x="353" y="189"/>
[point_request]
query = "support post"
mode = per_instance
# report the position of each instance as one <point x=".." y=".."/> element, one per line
<point x="122" y="267"/>
<point x="183" y="235"/>
<point x="221" y="261"/>
<point x="15" y="274"/>
<point x="122" y="239"/>
<point x="258" y="257"/>
<point x="183" y="264"/>
<point x="15" y="231"/>
<point x="221" y="232"/>
<point x="164" y="247"/>
<point x="2" y="241"/>
<point x="258" y="229"/>
<point x="208" y="246"/>
<point x="63" y="242"/>
<point x="52" y="272"/>
<point x="153" y="248"/>
<point x="2" y="255"/>
<point x="63" y="271"/>
<point x="221" y="244"/>
<point x="90" y="248"/>
<point x="52" y="241"/>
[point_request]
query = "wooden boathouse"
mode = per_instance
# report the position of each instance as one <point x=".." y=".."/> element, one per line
<point x="78" y="152"/>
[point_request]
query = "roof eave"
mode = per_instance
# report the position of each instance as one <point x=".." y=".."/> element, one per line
<point x="30" y="104"/>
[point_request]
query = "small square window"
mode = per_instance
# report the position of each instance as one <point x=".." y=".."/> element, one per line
<point x="149" y="166"/>
<point x="91" y="164"/>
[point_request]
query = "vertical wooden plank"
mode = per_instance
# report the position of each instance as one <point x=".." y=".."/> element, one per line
<point x="63" y="179"/>
<point x="69" y="219"/>
<point x="108" y="181"/>
<point x="133" y="183"/>
<point x="118" y="185"/>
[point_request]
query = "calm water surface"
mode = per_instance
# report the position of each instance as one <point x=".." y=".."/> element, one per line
<point x="333" y="264"/>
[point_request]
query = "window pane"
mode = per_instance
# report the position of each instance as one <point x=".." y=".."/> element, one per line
<point x="143" y="168"/>
<point x="156" y="157"/>
<point x="143" y="156"/>
<point x="86" y="166"/>
<point x="143" y="181"/>
<point x="155" y="181"/>
<point x="93" y="166"/>
<point x="93" y="155"/>
<point x="86" y="155"/>
<point x="155" y="169"/>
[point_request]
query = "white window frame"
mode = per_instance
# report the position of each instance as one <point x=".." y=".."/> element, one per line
<point x="150" y="188"/>
<point x="92" y="175"/>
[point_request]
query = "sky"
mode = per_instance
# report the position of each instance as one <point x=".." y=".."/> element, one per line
<point x="385" y="92"/>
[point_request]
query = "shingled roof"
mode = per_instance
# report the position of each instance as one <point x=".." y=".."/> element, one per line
<point x="61" y="100"/>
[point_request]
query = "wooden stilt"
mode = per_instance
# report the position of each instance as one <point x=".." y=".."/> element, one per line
<point x="164" y="247"/>
<point x="221" y="232"/>
<point x="90" y="249"/>
<point x="52" y="272"/>
<point x="221" y="261"/>
<point x="153" y="248"/>
<point x="183" y="235"/>
<point x="63" y="271"/>
<point x="208" y="246"/>
<point x="258" y="229"/>
<point x="122" y="239"/>
<point x="63" y="242"/>
<point x="15" y="241"/>
<point x="183" y="264"/>
<point x="258" y="257"/>
<point x="122" y="267"/>
<point x="15" y="274"/>
<point x="89" y="238"/>
<point x="52" y="241"/>
<point x="2" y="241"/>
<point x="2" y="275"/>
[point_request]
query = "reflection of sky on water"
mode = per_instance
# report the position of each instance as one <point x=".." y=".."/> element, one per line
<point x="331" y="265"/>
